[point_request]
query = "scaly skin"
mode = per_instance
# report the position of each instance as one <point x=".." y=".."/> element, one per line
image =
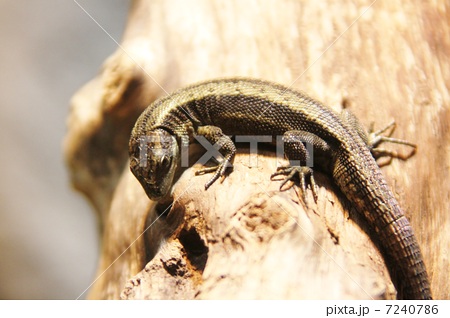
<point x="240" y="106"/>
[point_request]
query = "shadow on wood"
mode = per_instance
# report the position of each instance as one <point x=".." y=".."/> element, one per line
<point x="244" y="238"/>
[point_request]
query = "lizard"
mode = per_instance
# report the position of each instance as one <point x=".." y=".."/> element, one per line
<point x="220" y="108"/>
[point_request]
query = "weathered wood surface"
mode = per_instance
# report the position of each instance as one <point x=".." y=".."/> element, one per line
<point x="243" y="238"/>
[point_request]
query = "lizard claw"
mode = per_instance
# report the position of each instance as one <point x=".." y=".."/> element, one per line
<point x="302" y="172"/>
<point x="219" y="171"/>
<point x="375" y="138"/>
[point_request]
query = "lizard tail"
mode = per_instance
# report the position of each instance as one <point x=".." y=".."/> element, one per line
<point x="403" y="258"/>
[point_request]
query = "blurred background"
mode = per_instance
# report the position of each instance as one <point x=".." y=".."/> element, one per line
<point x="48" y="232"/>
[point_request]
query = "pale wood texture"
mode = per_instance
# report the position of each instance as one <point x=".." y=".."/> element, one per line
<point x="243" y="238"/>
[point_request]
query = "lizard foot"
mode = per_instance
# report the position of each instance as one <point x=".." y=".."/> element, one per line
<point x="376" y="138"/>
<point x="219" y="171"/>
<point x="302" y="173"/>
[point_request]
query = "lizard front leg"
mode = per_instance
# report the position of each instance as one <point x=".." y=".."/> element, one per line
<point x="218" y="140"/>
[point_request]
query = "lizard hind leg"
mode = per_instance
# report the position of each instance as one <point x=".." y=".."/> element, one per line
<point x="373" y="139"/>
<point x="376" y="138"/>
<point x="299" y="147"/>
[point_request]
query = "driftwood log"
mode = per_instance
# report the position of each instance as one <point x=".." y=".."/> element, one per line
<point x="243" y="238"/>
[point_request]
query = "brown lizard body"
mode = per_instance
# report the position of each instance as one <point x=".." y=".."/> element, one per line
<point x="239" y="106"/>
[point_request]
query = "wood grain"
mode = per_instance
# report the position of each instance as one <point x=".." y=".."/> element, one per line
<point x="243" y="238"/>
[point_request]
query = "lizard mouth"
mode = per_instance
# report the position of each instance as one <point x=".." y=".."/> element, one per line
<point x="153" y="193"/>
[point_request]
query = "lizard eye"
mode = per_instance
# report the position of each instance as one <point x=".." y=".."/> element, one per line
<point x="153" y="160"/>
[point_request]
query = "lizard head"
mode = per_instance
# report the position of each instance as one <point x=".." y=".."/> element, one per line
<point x="153" y="161"/>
